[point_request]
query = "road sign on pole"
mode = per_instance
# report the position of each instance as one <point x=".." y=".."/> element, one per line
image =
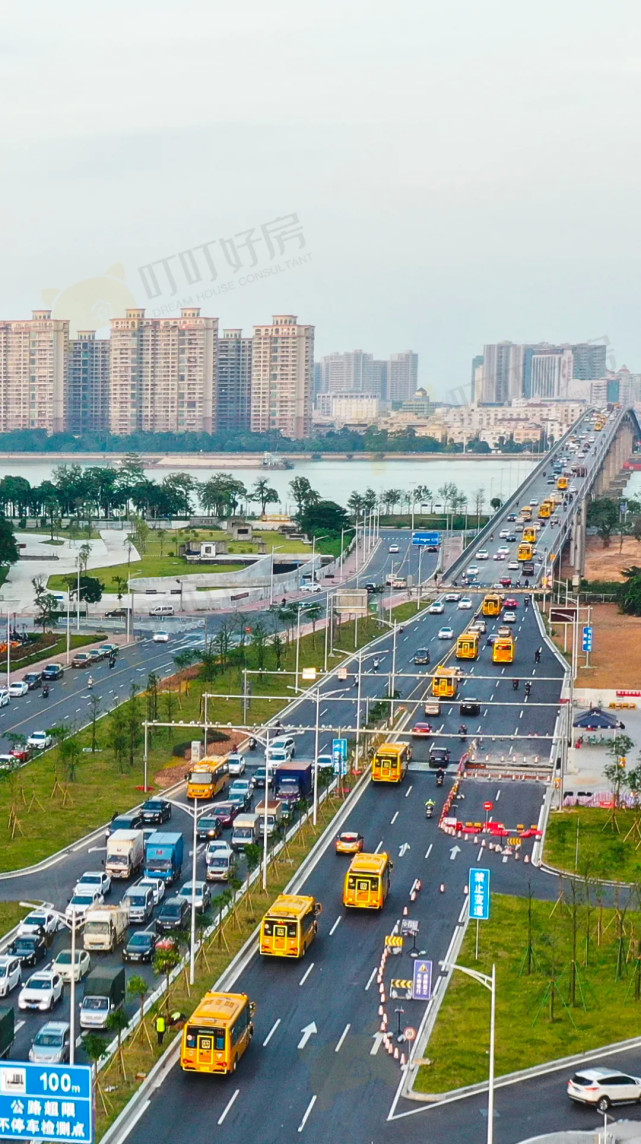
<point x="479" y="895"/>
<point x="422" y="981"/>
<point x="587" y="637"/>
<point x="48" y="1102"/>
<point x="339" y="755"/>
<point x="421" y="539"/>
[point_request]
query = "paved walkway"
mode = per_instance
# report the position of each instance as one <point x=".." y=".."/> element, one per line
<point x="621" y="1132"/>
<point x="17" y="591"/>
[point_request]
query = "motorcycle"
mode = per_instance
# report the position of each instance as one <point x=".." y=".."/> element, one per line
<point x="45" y="691"/>
<point x="252" y="744"/>
<point x="429" y="811"/>
<point x="439" y="778"/>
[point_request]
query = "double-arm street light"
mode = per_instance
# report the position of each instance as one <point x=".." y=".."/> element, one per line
<point x="73" y="925"/>
<point x="192" y="931"/>
<point x="489" y="982"/>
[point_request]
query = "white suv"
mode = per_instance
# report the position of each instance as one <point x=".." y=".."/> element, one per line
<point x="10" y="973"/>
<point x="41" y="991"/>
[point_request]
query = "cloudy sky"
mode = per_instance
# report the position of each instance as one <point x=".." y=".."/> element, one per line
<point x="429" y="174"/>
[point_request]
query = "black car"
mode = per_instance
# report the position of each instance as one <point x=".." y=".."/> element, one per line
<point x="132" y="821"/>
<point x="140" y="946"/>
<point x="52" y="671"/>
<point x="173" y="914"/>
<point x="511" y="516"/>
<point x="470" y="707"/>
<point x="117" y="614"/>
<point x="511" y="538"/>
<point x="210" y="826"/>
<point x="33" y="679"/>
<point x="439" y="757"/>
<point x="156" y="810"/>
<point x="370" y="587"/>
<point x="30" y="948"/>
<point x="97" y="656"/>
<point x="421" y="656"/>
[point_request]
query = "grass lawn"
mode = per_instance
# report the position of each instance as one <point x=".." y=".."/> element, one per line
<point x="10" y="914"/>
<point x="603" y="851"/>
<point x="41" y="810"/>
<point x="51" y="645"/>
<point x="535" y="1020"/>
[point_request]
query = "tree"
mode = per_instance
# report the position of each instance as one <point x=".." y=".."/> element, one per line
<point x="165" y="961"/>
<point x="326" y="516"/>
<point x="91" y="588"/>
<point x="630" y="600"/>
<point x="138" y="987"/>
<point x="264" y="493"/>
<point x="603" y="515"/>
<point x="496" y="503"/>
<point x="303" y="493"/>
<point x="70" y="754"/>
<point x="479" y="501"/>
<point x="314" y="612"/>
<point x="95" y="1048"/>
<point x="278" y="646"/>
<point x="45" y="603"/>
<point x="117" y="1022"/>
<point x="8" y="547"/>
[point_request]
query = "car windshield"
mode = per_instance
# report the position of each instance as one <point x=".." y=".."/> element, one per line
<point x="171" y="911"/>
<point x="95" y="1003"/>
<point x="141" y="939"/>
<point x="49" y="1040"/>
<point x="208" y="823"/>
<point x="152" y="806"/>
<point x="26" y="943"/>
<point x="81" y="900"/>
<point x="39" y="983"/>
<point x="36" y="920"/>
<point x="91" y="879"/>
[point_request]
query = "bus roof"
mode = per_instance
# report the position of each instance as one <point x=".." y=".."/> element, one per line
<point x="391" y="748"/>
<point x="221" y="1008"/>
<point x="368" y="863"/>
<point x="209" y="764"/>
<point x="448" y="671"/>
<point x="291" y="906"/>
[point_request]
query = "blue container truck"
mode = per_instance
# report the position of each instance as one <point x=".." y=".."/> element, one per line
<point x="164" y="856"/>
<point x="293" y="781"/>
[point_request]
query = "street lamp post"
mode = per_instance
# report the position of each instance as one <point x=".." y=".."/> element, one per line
<point x="489" y="982"/>
<point x="192" y="929"/>
<point x="271" y="574"/>
<point x="130" y="609"/>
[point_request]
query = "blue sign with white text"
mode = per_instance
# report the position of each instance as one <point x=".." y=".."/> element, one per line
<point x="48" y="1102"/>
<point x="422" y="538"/>
<point x="479" y="894"/>
<point x="422" y="981"/>
<point x="587" y="638"/>
<point x="339" y="755"/>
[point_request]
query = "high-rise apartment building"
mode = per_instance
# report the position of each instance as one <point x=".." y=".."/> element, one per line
<point x="588" y="361"/>
<point x="282" y="374"/>
<point x="88" y="383"/>
<point x="234" y="375"/>
<point x="33" y="373"/>
<point x="551" y="375"/>
<point x="402" y="377"/>
<point x="352" y="372"/>
<point x="506" y="371"/>
<point x="163" y="373"/>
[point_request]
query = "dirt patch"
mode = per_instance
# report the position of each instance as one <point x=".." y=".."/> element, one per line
<point x="176" y="770"/>
<point x="606" y="563"/>
<point x="616" y="658"/>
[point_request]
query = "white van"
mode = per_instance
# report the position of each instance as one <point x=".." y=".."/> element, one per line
<point x="245" y="831"/>
<point x="162" y="610"/>
<point x="221" y="861"/>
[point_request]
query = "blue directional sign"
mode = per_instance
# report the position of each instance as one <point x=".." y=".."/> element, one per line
<point x="48" y="1102"/>
<point x="479" y="895"/>
<point x="423" y="538"/>
<point x="339" y="755"/>
<point x="422" y="981"/>
<point x="587" y="637"/>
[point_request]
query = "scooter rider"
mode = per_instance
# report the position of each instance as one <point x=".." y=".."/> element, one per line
<point x="90" y="682"/>
<point x="515" y="684"/>
<point x="429" y="808"/>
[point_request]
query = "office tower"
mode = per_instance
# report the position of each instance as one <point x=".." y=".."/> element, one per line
<point x="402" y="377"/>
<point x="589" y="361"/>
<point x="88" y="383"/>
<point x="162" y="374"/>
<point x="551" y="374"/>
<point x="33" y="373"/>
<point x="233" y="387"/>
<point x="351" y="372"/>
<point x="282" y="373"/>
<point x="502" y="373"/>
<point x="476" y="378"/>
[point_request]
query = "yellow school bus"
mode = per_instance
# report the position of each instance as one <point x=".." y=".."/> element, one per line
<point x="525" y="552"/>
<point x="545" y="510"/>
<point x="492" y="604"/>
<point x="367" y="881"/>
<point x="390" y="762"/>
<point x="467" y="646"/>
<point x="445" y="682"/>
<point x="218" y="1033"/>
<point x="207" y="779"/>
<point x="289" y="926"/>
<point x="503" y="650"/>
<point x="562" y="483"/>
<point x="529" y="534"/>
<point x="526" y="512"/>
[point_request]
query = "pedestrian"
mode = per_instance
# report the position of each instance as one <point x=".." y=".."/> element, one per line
<point x="161" y="1025"/>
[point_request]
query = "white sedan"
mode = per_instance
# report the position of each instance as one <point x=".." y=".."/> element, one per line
<point x="41" y="990"/>
<point x="157" y="886"/>
<point x="472" y="570"/>
<point x="39" y="740"/>
<point x="465" y="604"/>
<point x="504" y="549"/>
<point x="509" y="617"/>
<point x="18" y="688"/>
<point x="236" y="763"/>
<point x="80" y="903"/>
<point x="513" y="566"/>
<point x="436" y="609"/>
<point x="62" y="964"/>
<point x="39" y="920"/>
<point x="446" y="633"/>
<point x="160" y="637"/>
<point x="483" y="554"/>
<point x="10" y="973"/>
<point x="4" y="697"/>
<point x="198" y="891"/>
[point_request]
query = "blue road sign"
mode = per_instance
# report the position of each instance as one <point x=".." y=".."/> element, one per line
<point x="422" y="538"/>
<point x="422" y="981"/>
<point x="49" y="1102"/>
<point x="339" y="747"/>
<point x="479" y="895"/>
<point x="587" y="638"/>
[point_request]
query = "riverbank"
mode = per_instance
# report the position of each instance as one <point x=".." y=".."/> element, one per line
<point x="253" y="460"/>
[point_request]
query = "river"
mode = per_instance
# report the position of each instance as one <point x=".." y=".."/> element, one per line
<point x="336" y="479"/>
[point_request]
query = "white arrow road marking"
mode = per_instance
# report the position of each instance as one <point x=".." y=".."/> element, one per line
<point x="378" y="1037"/>
<point x="307" y="1032"/>
<point x="454" y="851"/>
<point x="403" y="848"/>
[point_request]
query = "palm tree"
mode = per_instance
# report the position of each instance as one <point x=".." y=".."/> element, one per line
<point x="314" y="612"/>
<point x="264" y="493"/>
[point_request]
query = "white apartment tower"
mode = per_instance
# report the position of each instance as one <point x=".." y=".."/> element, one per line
<point x="162" y="373"/>
<point x="282" y="377"/>
<point x="33" y="373"/>
<point x="402" y="376"/>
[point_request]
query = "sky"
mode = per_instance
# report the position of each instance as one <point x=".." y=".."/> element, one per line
<point x="428" y="174"/>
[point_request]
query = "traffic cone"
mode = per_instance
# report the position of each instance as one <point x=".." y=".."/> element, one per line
<point x="403" y="1060"/>
<point x="396" y="1053"/>
<point x="380" y="1010"/>
<point x="405" y="911"/>
<point x="466" y="889"/>
<point x="526" y="858"/>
